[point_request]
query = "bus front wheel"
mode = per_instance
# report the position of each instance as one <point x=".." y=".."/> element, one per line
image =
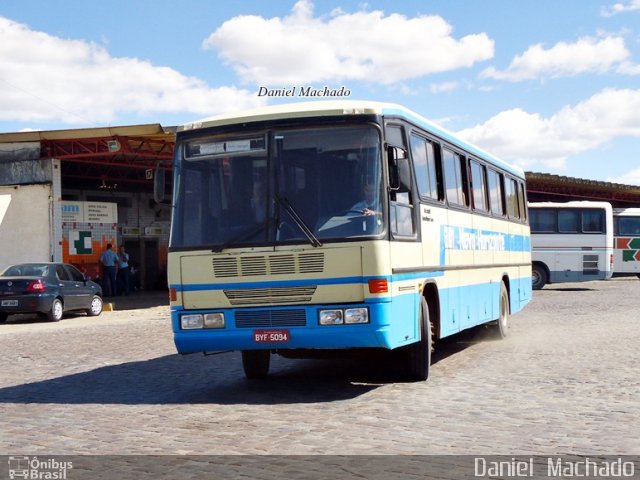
<point x="256" y="363"/>
<point x="501" y="329"/>
<point x="418" y="355"/>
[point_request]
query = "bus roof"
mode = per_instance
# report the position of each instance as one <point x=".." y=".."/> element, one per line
<point x="572" y="204"/>
<point x="626" y="212"/>
<point x="345" y="107"/>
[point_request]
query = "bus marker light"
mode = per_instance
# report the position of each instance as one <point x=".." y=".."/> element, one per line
<point x="379" y="285"/>
<point x="173" y="295"/>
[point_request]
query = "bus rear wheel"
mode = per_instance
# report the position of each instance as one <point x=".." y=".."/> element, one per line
<point x="418" y="355"/>
<point x="256" y="363"/>
<point x="538" y="277"/>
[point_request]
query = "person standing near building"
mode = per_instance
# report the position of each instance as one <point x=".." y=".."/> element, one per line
<point x="109" y="260"/>
<point x="123" y="271"/>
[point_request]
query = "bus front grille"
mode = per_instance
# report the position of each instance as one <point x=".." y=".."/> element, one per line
<point x="250" y="296"/>
<point x="279" y="264"/>
<point x="271" y="318"/>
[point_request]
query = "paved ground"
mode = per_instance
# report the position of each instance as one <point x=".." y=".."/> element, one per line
<point x="565" y="381"/>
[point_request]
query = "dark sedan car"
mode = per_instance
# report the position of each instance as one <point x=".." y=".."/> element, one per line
<point x="49" y="289"/>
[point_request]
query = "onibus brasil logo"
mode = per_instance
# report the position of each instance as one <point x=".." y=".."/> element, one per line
<point x="36" y="469"/>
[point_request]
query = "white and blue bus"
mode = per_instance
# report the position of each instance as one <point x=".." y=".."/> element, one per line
<point x="571" y="242"/>
<point x="337" y="226"/>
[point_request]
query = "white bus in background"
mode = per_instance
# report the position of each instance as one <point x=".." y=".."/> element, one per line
<point x="626" y="254"/>
<point x="571" y="242"/>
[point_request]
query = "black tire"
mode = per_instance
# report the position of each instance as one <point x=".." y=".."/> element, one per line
<point x="638" y="275"/>
<point x="503" y="322"/>
<point x="539" y="277"/>
<point x="418" y="355"/>
<point x="96" y="306"/>
<point x="56" y="311"/>
<point x="3" y="317"/>
<point x="256" y="363"/>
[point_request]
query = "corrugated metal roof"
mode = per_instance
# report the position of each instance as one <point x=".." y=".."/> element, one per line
<point x="153" y="130"/>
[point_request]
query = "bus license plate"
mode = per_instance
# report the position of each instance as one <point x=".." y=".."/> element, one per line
<point x="9" y="303"/>
<point x="271" y="336"/>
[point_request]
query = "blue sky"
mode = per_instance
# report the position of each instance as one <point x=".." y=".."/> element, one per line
<point x="553" y="86"/>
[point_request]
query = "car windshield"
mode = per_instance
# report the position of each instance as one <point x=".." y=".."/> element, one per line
<point x="26" y="270"/>
<point x="303" y="185"/>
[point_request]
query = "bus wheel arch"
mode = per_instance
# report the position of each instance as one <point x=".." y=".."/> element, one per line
<point x="417" y="356"/>
<point x="539" y="275"/>
<point x="432" y="297"/>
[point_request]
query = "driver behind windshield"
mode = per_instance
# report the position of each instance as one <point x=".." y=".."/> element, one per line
<point x="371" y="203"/>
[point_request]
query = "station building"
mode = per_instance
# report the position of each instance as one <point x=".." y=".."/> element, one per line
<point x="66" y="194"/>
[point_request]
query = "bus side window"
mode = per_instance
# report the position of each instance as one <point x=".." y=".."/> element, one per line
<point x="478" y="180"/>
<point x="455" y="178"/>
<point x="593" y="221"/>
<point x="496" y="193"/>
<point x="569" y="221"/>
<point x="427" y="167"/>
<point x="511" y="195"/>
<point x="523" y="201"/>
<point x="401" y="214"/>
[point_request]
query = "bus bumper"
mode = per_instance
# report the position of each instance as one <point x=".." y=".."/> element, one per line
<point x="382" y="331"/>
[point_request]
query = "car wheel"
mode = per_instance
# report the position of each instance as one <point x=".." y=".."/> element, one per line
<point x="3" y="317"/>
<point x="96" y="306"/>
<point x="55" y="314"/>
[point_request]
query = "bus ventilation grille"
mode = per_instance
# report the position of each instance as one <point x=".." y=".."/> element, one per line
<point x="253" y="296"/>
<point x="271" y="318"/>
<point x="590" y="265"/>
<point x="285" y="264"/>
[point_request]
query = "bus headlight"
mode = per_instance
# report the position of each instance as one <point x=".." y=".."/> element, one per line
<point x="214" y="320"/>
<point x="331" y="317"/>
<point x="191" y="322"/>
<point x="356" y="315"/>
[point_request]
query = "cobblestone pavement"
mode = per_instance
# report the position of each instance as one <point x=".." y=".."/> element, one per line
<point x="565" y="381"/>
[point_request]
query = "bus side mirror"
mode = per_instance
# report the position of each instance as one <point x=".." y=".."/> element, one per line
<point x="159" y="185"/>
<point x="399" y="169"/>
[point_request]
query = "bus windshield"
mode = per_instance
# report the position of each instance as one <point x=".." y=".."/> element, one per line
<point x="295" y="185"/>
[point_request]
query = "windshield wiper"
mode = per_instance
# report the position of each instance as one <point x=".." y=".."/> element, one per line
<point x="243" y="236"/>
<point x="298" y="221"/>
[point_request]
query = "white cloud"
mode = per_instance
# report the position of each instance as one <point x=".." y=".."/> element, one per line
<point x="620" y="7"/>
<point x="586" y="55"/>
<point x="46" y="78"/>
<point x="366" y="45"/>
<point x="528" y="139"/>
<point x="444" y="87"/>
<point x="630" y="178"/>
